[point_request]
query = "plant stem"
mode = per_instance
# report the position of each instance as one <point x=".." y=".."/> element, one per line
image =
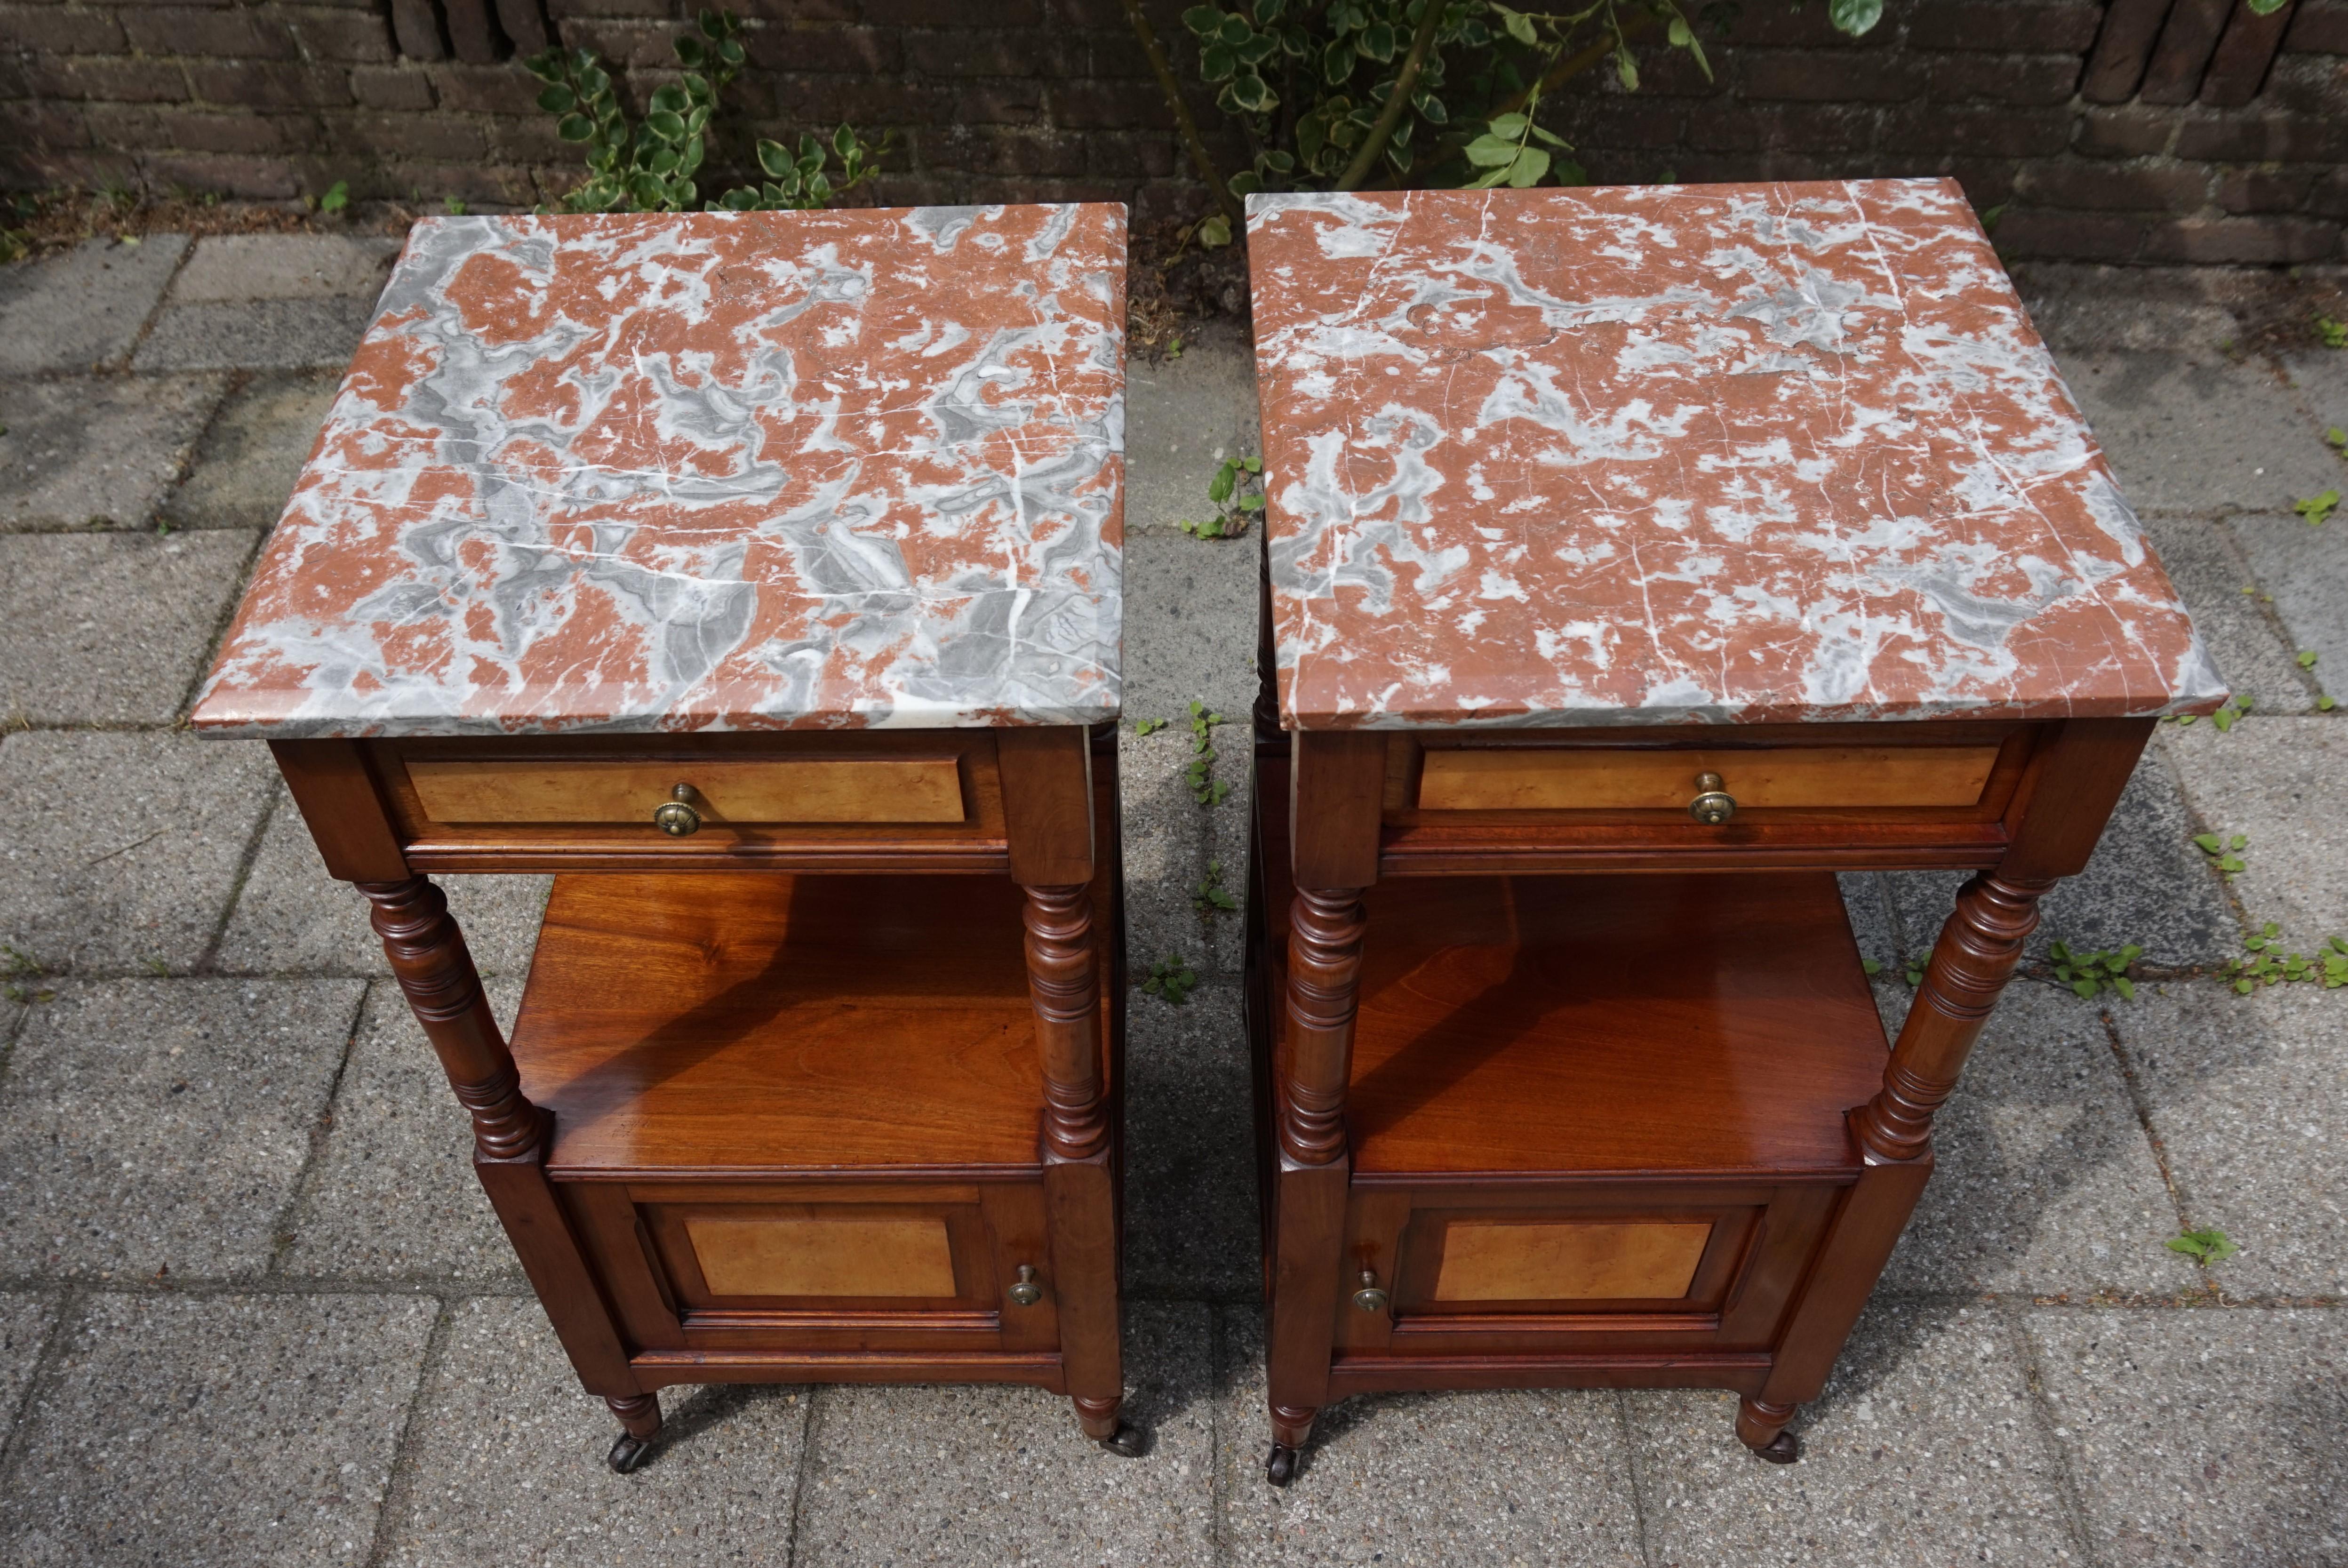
<point x="1565" y="70"/>
<point x="1391" y="116"/>
<point x="1200" y="158"/>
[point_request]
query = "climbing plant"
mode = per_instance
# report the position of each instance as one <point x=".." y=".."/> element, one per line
<point x="653" y="165"/>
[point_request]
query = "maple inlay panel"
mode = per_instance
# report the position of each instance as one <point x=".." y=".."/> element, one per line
<point x="1568" y="1261"/>
<point x="880" y="789"/>
<point x="839" y="1255"/>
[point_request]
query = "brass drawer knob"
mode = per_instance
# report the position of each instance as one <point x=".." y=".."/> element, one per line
<point x="1027" y="1292"/>
<point x="1714" y="805"/>
<point x="1370" y="1299"/>
<point x="675" y="816"/>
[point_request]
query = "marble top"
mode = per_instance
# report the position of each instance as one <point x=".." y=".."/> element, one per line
<point x="1670" y="454"/>
<point x="712" y="471"/>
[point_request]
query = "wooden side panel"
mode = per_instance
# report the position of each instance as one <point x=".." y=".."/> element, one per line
<point x="784" y="790"/>
<point x="1841" y="776"/>
<point x="1493" y="1260"/>
<point x="824" y="1254"/>
<point x="344" y="808"/>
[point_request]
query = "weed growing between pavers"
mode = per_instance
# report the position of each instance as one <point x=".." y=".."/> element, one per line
<point x="1172" y="979"/>
<point x="1236" y="492"/>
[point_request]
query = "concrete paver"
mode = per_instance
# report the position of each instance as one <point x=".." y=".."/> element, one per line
<point x="285" y="266"/>
<point x="2221" y="589"/>
<point x="96" y="451"/>
<point x="203" y="1429"/>
<point x="246" y="465"/>
<point x="27" y="1319"/>
<point x="2282" y="783"/>
<point x="85" y="308"/>
<point x="71" y="649"/>
<point x="2202" y="1438"/>
<point x="1182" y="417"/>
<point x="260" y="334"/>
<point x="1189" y="1148"/>
<point x="155" y="1128"/>
<point x="2197" y="432"/>
<point x="2306" y="571"/>
<point x="129" y="856"/>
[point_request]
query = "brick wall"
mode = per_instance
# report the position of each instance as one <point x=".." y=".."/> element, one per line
<point x="2146" y="130"/>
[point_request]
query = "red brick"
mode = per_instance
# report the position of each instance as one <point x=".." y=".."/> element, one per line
<point x="101" y="79"/>
<point x="241" y="130"/>
<point x="2005" y="78"/>
<point x="251" y="179"/>
<point x="2329" y="197"/>
<point x="1112" y="106"/>
<point x="1623" y="122"/>
<point x="2246" y="137"/>
<point x="1008" y="103"/>
<point x="2264" y="191"/>
<point x="520" y="139"/>
<point x="2254" y="242"/>
<point x="622" y="45"/>
<point x="485" y="89"/>
<point x="391" y="87"/>
<point x="1778" y="128"/>
<point x="428" y="138"/>
<point x="2099" y="186"/>
<point x="842" y="49"/>
<point x="1804" y="27"/>
<point x="1828" y="77"/>
<point x="125" y="127"/>
<point x="329" y="34"/>
<point x="997" y="54"/>
<point x="67" y="29"/>
<point x="228" y="35"/>
<point x="244" y="83"/>
<point x="1958" y="130"/>
<point x="2130" y="132"/>
<point x="52" y="127"/>
<point x="830" y="100"/>
<point x="2027" y="232"/>
<point x="471" y="183"/>
<point x="2067" y="25"/>
<point x="2318" y="27"/>
<point x="1673" y="73"/>
<point x="1113" y="155"/>
<point x="954" y="14"/>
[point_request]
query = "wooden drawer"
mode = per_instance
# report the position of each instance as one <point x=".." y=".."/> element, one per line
<point x="800" y="1266"/>
<point x="720" y="790"/>
<point x="1758" y="779"/>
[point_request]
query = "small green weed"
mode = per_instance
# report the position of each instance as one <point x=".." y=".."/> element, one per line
<point x="1205" y="787"/>
<point x="2328" y="968"/>
<point x="454" y="206"/>
<point x="336" y="199"/>
<point x="1174" y="347"/>
<point x="2336" y="439"/>
<point x="2225" y="854"/>
<point x="156" y="967"/>
<point x="1234" y="502"/>
<point x="1910" y="970"/>
<point x="18" y="966"/>
<point x="1150" y="725"/>
<point x="2334" y="334"/>
<point x="2307" y="658"/>
<point x="2209" y="1246"/>
<point x="1211" y="898"/>
<point x="2088" y="974"/>
<point x="1170" y="979"/>
<point x="2231" y="709"/>
<point x="2316" y="507"/>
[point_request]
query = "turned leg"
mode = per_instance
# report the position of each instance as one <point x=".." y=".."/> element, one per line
<point x="1762" y="1427"/>
<point x="640" y="1422"/>
<point x="436" y="972"/>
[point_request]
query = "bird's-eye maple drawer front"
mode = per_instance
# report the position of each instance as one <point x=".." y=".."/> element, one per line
<point x="1575" y="1267"/>
<point x="727" y="796"/>
<point x="908" y="1266"/>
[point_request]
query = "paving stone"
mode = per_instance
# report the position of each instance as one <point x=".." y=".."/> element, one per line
<point x="2146" y="884"/>
<point x="25" y="1319"/>
<point x="2043" y="1182"/>
<point x="1924" y="1450"/>
<point x="1867" y="900"/>
<point x="1190" y="1208"/>
<point x="2209" y="569"/>
<point x="2203" y="1437"/>
<point x="83" y="308"/>
<point x="994" y="1474"/>
<point x="2320" y="379"/>
<point x="110" y="628"/>
<point x="1182" y="417"/>
<point x="2283" y="784"/>
<point x="504" y="1462"/>
<point x="130" y="858"/>
<point x="2250" y="1097"/>
<point x="2080" y="307"/>
<point x="392" y="1194"/>
<point x="257" y="335"/>
<point x="2196" y="432"/>
<point x="86" y="450"/>
<point x="291" y="917"/>
<point x="185" y="1431"/>
<point x="1427" y="1481"/>
<point x="2306" y="570"/>
<point x="285" y="266"/>
<point x="246" y="465"/>
<point x="153" y="1125"/>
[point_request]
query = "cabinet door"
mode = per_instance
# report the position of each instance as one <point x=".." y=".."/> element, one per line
<point x="1576" y="1268"/>
<point x="794" y="1266"/>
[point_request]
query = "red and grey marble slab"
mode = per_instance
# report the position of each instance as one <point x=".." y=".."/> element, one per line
<point x="1679" y="454"/>
<point x="711" y="471"/>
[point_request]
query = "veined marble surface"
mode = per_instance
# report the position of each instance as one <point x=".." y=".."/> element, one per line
<point x="1685" y="454"/>
<point x="710" y="471"/>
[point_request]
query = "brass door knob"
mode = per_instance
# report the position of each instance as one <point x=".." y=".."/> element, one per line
<point x="1027" y="1292"/>
<point x="1714" y="805"/>
<point x="1370" y="1299"/>
<point x="675" y="816"/>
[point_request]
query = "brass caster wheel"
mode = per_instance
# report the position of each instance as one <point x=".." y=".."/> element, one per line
<point x="1782" y="1449"/>
<point x="628" y="1453"/>
<point x="1128" y="1444"/>
<point x="1280" y="1468"/>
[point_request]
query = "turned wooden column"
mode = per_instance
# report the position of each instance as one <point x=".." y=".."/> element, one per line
<point x="2087" y="765"/>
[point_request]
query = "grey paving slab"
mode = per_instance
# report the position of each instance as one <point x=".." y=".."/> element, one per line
<point x="110" y="628"/>
<point x="84" y="308"/>
<point x="2044" y="1182"/>
<point x="505" y="1464"/>
<point x="1190" y="1210"/>
<point x="132" y="855"/>
<point x="2306" y="570"/>
<point x="2221" y="589"/>
<point x="2321" y="378"/>
<point x="2197" y="432"/>
<point x="291" y="917"/>
<point x="27" y="1319"/>
<point x="1923" y="1450"/>
<point x="248" y="460"/>
<point x="391" y="1194"/>
<point x="201" y="1430"/>
<point x="986" y="1474"/>
<point x="2250" y="1097"/>
<point x="156" y="1129"/>
<point x="2079" y="309"/>
<point x="285" y="266"/>
<point x="2203" y="1437"/>
<point x="1867" y="900"/>
<point x="1427" y="1481"/>
<point x="96" y="451"/>
<point x="2146" y="884"/>
<point x="259" y="335"/>
<point x="1182" y="417"/>
<point x="2283" y="784"/>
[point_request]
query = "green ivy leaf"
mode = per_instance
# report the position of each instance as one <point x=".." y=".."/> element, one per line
<point x="575" y="128"/>
<point x="1519" y="26"/>
<point x="1530" y="165"/>
<point x="1249" y="92"/>
<point x="691" y="52"/>
<point x="1215" y="233"/>
<point x="1858" y="16"/>
<point x="1490" y="151"/>
<point x="558" y="101"/>
<point x="1217" y="62"/>
<point x="774" y="158"/>
<point x="668" y="127"/>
